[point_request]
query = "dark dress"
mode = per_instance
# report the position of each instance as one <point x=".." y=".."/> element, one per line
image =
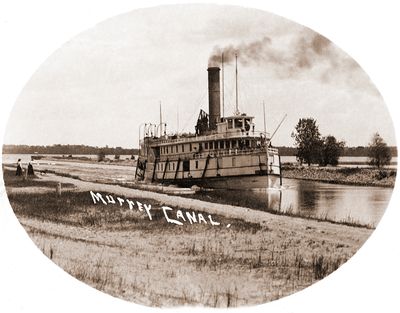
<point x="30" y="169"/>
<point x="19" y="170"/>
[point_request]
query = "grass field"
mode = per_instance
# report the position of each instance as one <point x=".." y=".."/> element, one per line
<point x="153" y="262"/>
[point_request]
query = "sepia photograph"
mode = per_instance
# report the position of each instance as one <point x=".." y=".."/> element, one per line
<point x="199" y="155"/>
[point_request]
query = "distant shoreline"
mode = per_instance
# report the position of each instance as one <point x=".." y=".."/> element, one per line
<point x="360" y="151"/>
<point x="66" y="150"/>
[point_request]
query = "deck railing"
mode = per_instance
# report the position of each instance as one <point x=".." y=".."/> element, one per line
<point x="221" y="136"/>
<point x="219" y="153"/>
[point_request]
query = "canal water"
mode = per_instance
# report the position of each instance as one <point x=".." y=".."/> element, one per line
<point x="356" y="204"/>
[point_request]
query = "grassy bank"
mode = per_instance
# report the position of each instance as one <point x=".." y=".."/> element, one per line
<point x="153" y="262"/>
<point x="343" y="175"/>
<point x="13" y="181"/>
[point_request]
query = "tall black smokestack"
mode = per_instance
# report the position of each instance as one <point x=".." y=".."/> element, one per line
<point x="214" y="106"/>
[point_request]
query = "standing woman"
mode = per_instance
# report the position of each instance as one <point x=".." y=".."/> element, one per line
<point x="30" y="169"/>
<point x="19" y="168"/>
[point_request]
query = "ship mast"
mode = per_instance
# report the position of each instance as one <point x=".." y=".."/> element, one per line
<point x="236" y="84"/>
<point x="265" y="124"/>
<point x="160" y="121"/>
<point x="177" y="120"/>
<point x="223" y="95"/>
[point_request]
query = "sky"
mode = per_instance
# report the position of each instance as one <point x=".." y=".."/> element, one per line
<point x="101" y="86"/>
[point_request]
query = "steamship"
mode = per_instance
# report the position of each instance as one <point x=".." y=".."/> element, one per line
<point x="224" y="152"/>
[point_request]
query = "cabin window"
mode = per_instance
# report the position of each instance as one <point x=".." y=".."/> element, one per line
<point x="221" y="144"/>
<point x="233" y="161"/>
<point x="211" y="145"/>
<point x="230" y="123"/>
<point x="247" y="143"/>
<point x="271" y="159"/>
<point x="200" y="146"/>
<point x="197" y="164"/>
<point x="228" y="144"/>
<point x="190" y="148"/>
<point x="167" y="150"/>
<point x="183" y="148"/>
<point x="186" y="165"/>
<point x="161" y="166"/>
<point x="206" y="145"/>
<point x="173" y="166"/>
<point x="238" y="123"/>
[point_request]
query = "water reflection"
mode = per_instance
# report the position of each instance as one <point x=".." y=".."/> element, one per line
<point x="360" y="204"/>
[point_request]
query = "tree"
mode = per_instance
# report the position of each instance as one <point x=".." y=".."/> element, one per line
<point x="378" y="152"/>
<point x="308" y="141"/>
<point x="331" y="151"/>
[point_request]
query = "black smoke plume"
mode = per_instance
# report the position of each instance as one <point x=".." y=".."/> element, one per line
<point x="300" y="54"/>
<point x="305" y="52"/>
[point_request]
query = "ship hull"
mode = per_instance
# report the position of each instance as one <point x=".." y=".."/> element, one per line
<point x="230" y="183"/>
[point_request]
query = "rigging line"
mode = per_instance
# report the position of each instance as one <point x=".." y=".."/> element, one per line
<point x="229" y="90"/>
<point x="230" y="96"/>
<point x="195" y="112"/>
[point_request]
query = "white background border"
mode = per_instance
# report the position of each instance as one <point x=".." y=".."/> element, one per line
<point x="30" y="31"/>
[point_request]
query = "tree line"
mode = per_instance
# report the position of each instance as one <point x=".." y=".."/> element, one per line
<point x="67" y="150"/>
<point x="82" y="149"/>
<point x="313" y="148"/>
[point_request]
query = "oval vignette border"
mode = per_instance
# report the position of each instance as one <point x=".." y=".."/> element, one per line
<point x="372" y="76"/>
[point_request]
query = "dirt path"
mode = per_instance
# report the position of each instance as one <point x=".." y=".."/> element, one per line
<point x="336" y="231"/>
